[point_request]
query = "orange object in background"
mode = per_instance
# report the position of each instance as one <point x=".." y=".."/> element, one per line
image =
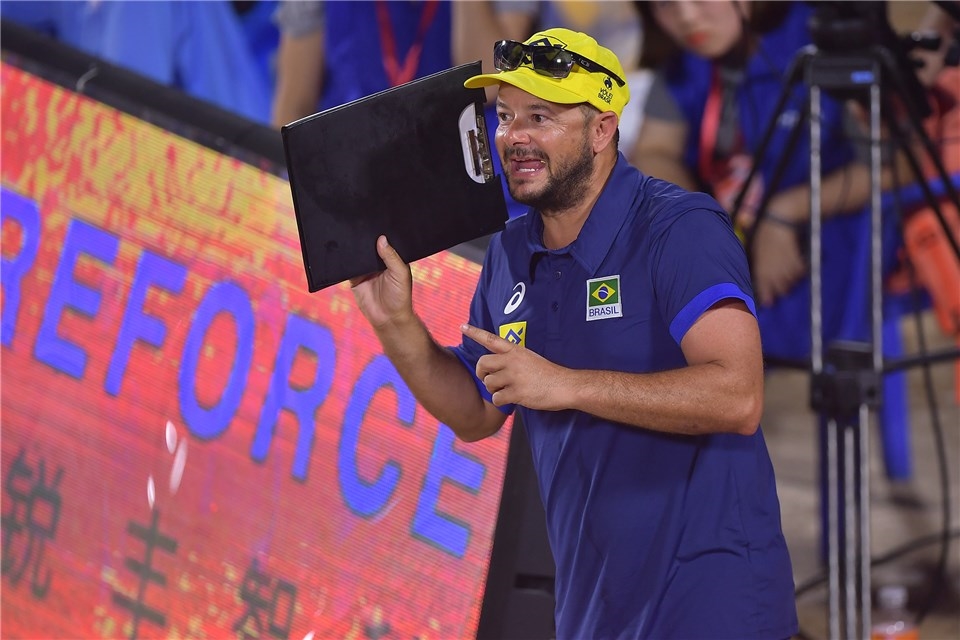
<point x="936" y="263"/>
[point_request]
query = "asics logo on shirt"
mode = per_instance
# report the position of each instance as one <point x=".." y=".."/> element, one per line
<point x="515" y="299"/>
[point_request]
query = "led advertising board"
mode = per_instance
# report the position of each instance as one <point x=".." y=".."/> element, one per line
<point x="192" y="444"/>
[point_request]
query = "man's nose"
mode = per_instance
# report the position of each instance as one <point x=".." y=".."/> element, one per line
<point x="514" y="133"/>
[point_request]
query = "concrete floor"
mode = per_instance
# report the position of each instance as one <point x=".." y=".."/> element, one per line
<point x="901" y="512"/>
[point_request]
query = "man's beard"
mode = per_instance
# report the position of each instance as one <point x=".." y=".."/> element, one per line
<point x="565" y="188"/>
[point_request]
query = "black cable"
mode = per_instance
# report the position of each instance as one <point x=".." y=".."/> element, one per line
<point x="844" y="187"/>
<point x="748" y="35"/>
<point x="894" y="554"/>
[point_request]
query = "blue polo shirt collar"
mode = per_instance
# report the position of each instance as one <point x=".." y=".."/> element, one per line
<point x="601" y="227"/>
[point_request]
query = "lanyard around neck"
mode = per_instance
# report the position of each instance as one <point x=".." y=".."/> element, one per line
<point x="709" y="128"/>
<point x="397" y="74"/>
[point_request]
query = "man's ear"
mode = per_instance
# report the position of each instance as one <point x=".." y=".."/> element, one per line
<point x="604" y="130"/>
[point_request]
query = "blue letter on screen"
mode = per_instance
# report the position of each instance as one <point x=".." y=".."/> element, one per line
<point x="50" y="348"/>
<point x="152" y="270"/>
<point x="445" y="463"/>
<point x="229" y="298"/>
<point x="362" y="497"/>
<point x="303" y="403"/>
<point x="27" y="215"/>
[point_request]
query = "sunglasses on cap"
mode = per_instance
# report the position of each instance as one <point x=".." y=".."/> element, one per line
<point x="546" y="60"/>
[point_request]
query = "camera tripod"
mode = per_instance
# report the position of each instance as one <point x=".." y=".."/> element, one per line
<point x="846" y="377"/>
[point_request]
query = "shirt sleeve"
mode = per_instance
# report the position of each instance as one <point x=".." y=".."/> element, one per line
<point x="297" y="18"/>
<point x="660" y="103"/>
<point x="528" y="7"/>
<point x="697" y="262"/>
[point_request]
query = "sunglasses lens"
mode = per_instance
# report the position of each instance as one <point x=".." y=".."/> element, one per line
<point x="553" y="62"/>
<point x="507" y="55"/>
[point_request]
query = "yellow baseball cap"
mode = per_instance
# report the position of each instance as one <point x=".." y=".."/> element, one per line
<point x="601" y="88"/>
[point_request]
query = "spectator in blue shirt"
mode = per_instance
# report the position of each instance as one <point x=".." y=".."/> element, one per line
<point x="334" y="52"/>
<point x="719" y="72"/>
<point x="617" y="319"/>
<point x="202" y="48"/>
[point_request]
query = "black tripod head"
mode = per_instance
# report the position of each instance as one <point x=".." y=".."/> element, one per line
<point x="838" y="26"/>
<point x="863" y="27"/>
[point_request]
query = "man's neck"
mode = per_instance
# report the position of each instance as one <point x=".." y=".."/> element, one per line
<point x="562" y="226"/>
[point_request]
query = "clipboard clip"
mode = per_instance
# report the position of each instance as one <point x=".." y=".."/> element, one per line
<point x="476" y="145"/>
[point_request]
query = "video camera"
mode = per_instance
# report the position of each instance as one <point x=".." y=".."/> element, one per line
<point x="852" y="27"/>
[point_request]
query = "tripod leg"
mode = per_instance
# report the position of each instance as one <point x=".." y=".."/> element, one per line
<point x="833" y="530"/>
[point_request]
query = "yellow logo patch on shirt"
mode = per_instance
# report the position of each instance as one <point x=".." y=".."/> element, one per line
<point x="515" y="332"/>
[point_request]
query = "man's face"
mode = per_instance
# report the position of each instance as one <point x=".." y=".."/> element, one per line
<point x="545" y="149"/>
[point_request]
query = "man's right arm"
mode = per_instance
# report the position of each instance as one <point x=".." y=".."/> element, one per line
<point x="435" y="376"/>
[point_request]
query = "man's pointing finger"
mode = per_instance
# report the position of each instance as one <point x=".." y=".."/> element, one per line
<point x="493" y="343"/>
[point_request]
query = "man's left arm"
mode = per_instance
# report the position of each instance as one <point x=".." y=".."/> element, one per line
<point x="719" y="391"/>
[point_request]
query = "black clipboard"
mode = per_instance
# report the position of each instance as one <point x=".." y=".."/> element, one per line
<point x="412" y="162"/>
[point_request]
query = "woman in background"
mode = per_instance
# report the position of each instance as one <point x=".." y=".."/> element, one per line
<point x="719" y="74"/>
<point x="719" y="71"/>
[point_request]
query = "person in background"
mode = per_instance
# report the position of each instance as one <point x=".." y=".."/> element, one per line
<point x="261" y="34"/>
<point x="719" y="72"/>
<point x="617" y="319"/>
<point x="201" y="48"/>
<point x="335" y="52"/>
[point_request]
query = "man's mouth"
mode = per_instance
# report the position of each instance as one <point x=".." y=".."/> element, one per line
<point x="526" y="165"/>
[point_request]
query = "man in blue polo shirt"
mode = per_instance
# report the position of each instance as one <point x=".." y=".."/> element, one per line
<point x="617" y="318"/>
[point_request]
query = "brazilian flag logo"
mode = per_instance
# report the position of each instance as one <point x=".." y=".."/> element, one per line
<point x="603" y="298"/>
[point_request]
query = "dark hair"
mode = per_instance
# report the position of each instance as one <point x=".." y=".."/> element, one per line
<point x="660" y="49"/>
